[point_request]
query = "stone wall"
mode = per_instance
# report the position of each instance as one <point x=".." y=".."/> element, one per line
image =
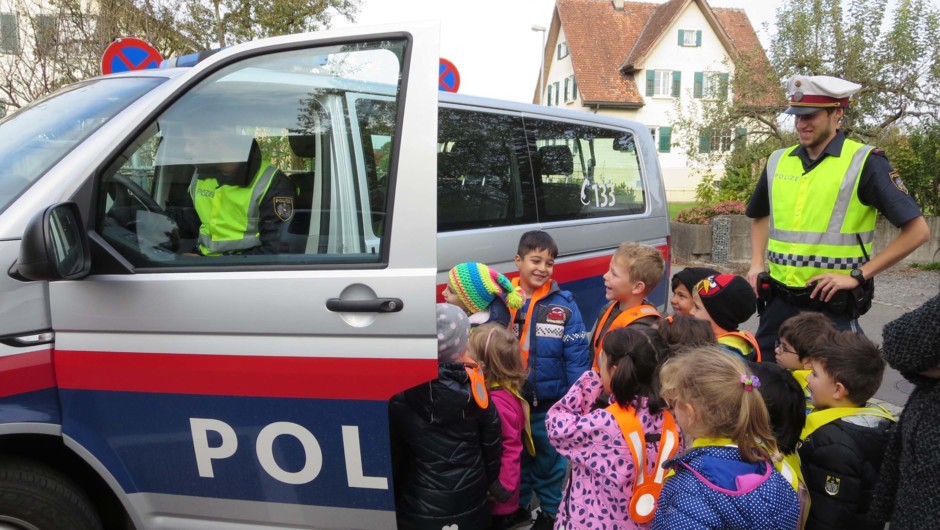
<point x="728" y="240"/>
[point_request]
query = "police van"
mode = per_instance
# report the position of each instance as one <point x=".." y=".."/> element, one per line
<point x="145" y="386"/>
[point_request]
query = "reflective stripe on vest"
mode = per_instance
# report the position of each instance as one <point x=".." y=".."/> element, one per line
<point x="230" y="216"/>
<point x="816" y="217"/>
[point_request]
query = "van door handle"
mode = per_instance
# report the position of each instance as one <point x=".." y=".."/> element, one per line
<point x="377" y="305"/>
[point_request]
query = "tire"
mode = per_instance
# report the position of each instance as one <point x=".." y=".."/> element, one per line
<point x="36" y="497"/>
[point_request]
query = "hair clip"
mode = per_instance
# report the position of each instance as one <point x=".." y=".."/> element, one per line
<point x="750" y="382"/>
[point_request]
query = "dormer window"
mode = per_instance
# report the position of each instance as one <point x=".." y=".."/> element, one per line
<point x="690" y="38"/>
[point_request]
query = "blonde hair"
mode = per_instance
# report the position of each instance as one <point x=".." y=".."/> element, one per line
<point x="643" y="263"/>
<point x="709" y="379"/>
<point x="497" y="350"/>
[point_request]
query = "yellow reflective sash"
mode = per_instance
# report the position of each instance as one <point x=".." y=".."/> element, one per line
<point x="818" y="418"/>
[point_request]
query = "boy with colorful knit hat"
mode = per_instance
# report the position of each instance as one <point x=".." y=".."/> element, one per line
<point x="484" y="294"/>
<point x="727" y="301"/>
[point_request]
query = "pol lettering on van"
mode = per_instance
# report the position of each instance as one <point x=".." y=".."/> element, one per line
<point x="264" y="449"/>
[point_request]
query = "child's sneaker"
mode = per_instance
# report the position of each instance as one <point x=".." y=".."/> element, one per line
<point x="518" y="519"/>
<point x="544" y="521"/>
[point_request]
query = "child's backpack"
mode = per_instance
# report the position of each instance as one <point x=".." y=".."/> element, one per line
<point x="646" y="488"/>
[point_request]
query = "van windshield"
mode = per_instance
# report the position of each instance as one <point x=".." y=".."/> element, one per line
<point x="36" y="137"/>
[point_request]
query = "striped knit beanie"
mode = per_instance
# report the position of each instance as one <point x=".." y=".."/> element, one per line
<point x="477" y="285"/>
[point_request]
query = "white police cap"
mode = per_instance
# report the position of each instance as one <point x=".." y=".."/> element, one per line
<point x="808" y="94"/>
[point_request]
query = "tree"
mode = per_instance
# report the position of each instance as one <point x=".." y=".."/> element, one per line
<point x="57" y="42"/>
<point x="898" y="67"/>
<point x="897" y="63"/>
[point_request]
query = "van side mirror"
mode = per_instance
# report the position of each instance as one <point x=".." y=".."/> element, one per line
<point x="55" y="245"/>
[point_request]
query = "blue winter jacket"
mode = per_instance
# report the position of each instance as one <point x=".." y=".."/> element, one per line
<point x="714" y="489"/>
<point x="558" y="347"/>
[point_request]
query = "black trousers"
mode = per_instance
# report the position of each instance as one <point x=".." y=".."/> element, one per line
<point x="777" y="311"/>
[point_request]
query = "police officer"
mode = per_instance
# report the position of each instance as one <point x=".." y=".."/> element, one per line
<point x="813" y="215"/>
<point x="239" y="200"/>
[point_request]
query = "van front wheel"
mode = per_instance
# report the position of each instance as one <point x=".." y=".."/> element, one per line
<point x="36" y="497"/>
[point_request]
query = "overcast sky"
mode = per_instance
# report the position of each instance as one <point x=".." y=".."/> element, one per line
<point x="491" y="41"/>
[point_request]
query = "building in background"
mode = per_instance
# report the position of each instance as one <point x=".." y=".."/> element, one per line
<point x="642" y="61"/>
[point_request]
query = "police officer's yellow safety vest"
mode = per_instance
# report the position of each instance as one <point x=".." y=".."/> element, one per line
<point x="816" y="218"/>
<point x="230" y="216"/>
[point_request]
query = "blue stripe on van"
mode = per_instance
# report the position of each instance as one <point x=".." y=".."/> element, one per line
<point x="39" y="406"/>
<point x="145" y="441"/>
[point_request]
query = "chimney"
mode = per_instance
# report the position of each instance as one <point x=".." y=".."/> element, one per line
<point x="618" y="5"/>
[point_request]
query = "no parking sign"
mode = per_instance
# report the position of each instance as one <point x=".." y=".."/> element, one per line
<point x="128" y="54"/>
<point x="448" y="78"/>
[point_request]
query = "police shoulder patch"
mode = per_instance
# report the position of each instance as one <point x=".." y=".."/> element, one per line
<point x="284" y="208"/>
<point x="895" y="177"/>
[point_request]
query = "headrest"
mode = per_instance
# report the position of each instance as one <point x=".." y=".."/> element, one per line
<point x="556" y="160"/>
<point x="303" y="146"/>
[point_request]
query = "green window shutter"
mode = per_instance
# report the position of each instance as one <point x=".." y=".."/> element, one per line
<point x="697" y="87"/>
<point x="548" y="100"/>
<point x="676" y="83"/>
<point x="665" y="139"/>
<point x="557" y="92"/>
<point x="650" y="82"/>
<point x="698" y="38"/>
<point x="9" y="33"/>
<point x="740" y="138"/>
<point x="566" y="89"/>
<point x="724" y="86"/>
<point x="558" y="51"/>
<point x="681" y="37"/>
<point x="705" y="142"/>
<point x="574" y="87"/>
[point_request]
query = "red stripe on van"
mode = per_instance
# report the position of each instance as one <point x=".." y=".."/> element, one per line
<point x="569" y="271"/>
<point x="26" y="372"/>
<point x="239" y="375"/>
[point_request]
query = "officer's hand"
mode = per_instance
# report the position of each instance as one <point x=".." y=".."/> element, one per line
<point x="752" y="277"/>
<point x="826" y="285"/>
<point x="933" y="373"/>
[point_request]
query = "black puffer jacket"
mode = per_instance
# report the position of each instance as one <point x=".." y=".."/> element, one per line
<point x="445" y="453"/>
<point x="840" y="462"/>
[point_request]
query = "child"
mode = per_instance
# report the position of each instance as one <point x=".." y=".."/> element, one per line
<point x="555" y="349"/>
<point x="683" y="332"/>
<point x="798" y="337"/>
<point x="603" y="465"/>
<point x="727" y="301"/>
<point x="844" y="441"/>
<point x="683" y="283"/>
<point x="784" y="400"/>
<point x="635" y="270"/>
<point x="498" y="352"/>
<point x="727" y="479"/>
<point x="480" y="291"/>
<point x="445" y="447"/>
<point x="910" y="474"/>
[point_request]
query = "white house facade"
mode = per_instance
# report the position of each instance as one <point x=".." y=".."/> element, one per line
<point x="638" y="61"/>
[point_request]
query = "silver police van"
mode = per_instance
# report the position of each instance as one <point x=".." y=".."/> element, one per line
<point x="146" y="385"/>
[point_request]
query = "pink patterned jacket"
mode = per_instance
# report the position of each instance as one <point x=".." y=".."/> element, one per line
<point x="602" y="468"/>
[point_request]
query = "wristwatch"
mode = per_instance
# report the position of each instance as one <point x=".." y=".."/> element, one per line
<point x="858" y="275"/>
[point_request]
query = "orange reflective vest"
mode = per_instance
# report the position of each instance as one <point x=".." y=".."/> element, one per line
<point x="623" y="320"/>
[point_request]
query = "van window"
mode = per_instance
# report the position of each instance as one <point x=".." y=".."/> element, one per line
<point x="272" y="160"/>
<point x="584" y="171"/>
<point x="483" y="176"/>
<point x="33" y="139"/>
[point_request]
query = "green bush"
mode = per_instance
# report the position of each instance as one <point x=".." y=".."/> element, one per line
<point x="702" y="215"/>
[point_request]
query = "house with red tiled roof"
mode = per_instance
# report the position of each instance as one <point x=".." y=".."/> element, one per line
<point x="634" y="60"/>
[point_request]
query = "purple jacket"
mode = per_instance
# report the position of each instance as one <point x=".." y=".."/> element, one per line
<point x="512" y="418"/>
<point x="602" y="468"/>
